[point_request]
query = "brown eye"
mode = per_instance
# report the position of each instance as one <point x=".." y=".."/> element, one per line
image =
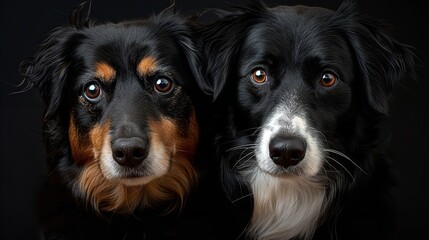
<point x="92" y="91"/>
<point x="328" y="79"/>
<point x="163" y="85"/>
<point x="259" y="76"/>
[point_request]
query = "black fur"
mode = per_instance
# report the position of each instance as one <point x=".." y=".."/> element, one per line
<point x="295" y="46"/>
<point x="62" y="67"/>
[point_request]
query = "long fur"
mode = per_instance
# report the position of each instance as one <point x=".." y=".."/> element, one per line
<point x="340" y="189"/>
<point x="86" y="188"/>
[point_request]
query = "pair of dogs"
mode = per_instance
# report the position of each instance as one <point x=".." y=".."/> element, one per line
<point x="291" y="98"/>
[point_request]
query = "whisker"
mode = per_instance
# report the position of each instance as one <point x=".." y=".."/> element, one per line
<point x="250" y="129"/>
<point x="345" y="156"/>
<point x="240" y="198"/>
<point x="242" y="135"/>
<point x="319" y="132"/>
<point x="333" y="159"/>
<point x="245" y="146"/>
<point x="257" y="130"/>
<point x="249" y="155"/>
<point x="233" y="140"/>
<point x="242" y="232"/>
<point x="334" y="168"/>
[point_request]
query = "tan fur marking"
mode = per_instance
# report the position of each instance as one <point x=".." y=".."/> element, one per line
<point x="104" y="71"/>
<point x="97" y="135"/>
<point x="111" y="195"/>
<point x="163" y="132"/>
<point x="182" y="174"/>
<point x="189" y="144"/>
<point x="106" y="195"/>
<point x="79" y="144"/>
<point x="146" y="66"/>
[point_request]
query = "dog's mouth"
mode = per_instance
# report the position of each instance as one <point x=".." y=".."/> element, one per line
<point x="139" y="176"/>
<point x="136" y="180"/>
<point x="282" y="172"/>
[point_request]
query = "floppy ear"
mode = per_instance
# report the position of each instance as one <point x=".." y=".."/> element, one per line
<point x="194" y="60"/>
<point x="382" y="61"/>
<point x="222" y="40"/>
<point x="47" y="69"/>
<point x="180" y="28"/>
<point x="221" y="45"/>
<point x="191" y="48"/>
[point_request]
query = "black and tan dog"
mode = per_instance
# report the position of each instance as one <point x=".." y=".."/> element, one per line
<point x="120" y="125"/>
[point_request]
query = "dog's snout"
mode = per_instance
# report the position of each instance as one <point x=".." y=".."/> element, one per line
<point x="287" y="150"/>
<point x="129" y="152"/>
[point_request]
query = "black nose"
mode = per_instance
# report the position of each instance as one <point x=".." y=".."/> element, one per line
<point x="287" y="150"/>
<point x="129" y="152"/>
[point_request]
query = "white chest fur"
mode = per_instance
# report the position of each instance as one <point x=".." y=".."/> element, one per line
<point x="284" y="207"/>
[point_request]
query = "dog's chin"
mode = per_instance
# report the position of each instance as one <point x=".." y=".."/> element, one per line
<point x="135" y="177"/>
<point x="131" y="177"/>
<point x="282" y="172"/>
<point x="136" y="181"/>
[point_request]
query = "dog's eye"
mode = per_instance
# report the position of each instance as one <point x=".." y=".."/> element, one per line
<point x="328" y="79"/>
<point x="92" y="91"/>
<point x="259" y="76"/>
<point x="163" y="85"/>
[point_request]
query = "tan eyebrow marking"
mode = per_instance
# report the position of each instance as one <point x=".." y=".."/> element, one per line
<point x="146" y="66"/>
<point x="104" y="71"/>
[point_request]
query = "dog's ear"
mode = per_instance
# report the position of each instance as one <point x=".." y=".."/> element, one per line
<point x="191" y="47"/>
<point x="80" y="16"/>
<point x="382" y="61"/>
<point x="222" y="40"/>
<point x="180" y="28"/>
<point x="219" y="52"/>
<point x="47" y="69"/>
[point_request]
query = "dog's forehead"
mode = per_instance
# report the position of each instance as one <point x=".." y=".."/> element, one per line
<point x="302" y="10"/>
<point x="126" y="44"/>
<point x="291" y="26"/>
<point x="293" y="38"/>
<point x="294" y="21"/>
<point x="123" y="35"/>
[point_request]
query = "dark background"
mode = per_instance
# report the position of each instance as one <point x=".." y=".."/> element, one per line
<point x="25" y="23"/>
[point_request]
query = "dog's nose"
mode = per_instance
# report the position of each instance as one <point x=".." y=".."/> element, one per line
<point x="287" y="150"/>
<point x="129" y="152"/>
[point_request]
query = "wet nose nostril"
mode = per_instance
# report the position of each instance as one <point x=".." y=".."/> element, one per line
<point x="297" y="154"/>
<point x="129" y="152"/>
<point x="138" y="153"/>
<point x="287" y="150"/>
<point x="118" y="154"/>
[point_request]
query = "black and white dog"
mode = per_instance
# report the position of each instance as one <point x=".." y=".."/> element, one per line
<point x="300" y="94"/>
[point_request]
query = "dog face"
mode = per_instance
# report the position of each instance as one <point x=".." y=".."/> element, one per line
<point x="297" y="87"/>
<point x="303" y="89"/>
<point x="120" y="121"/>
<point x="296" y="79"/>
